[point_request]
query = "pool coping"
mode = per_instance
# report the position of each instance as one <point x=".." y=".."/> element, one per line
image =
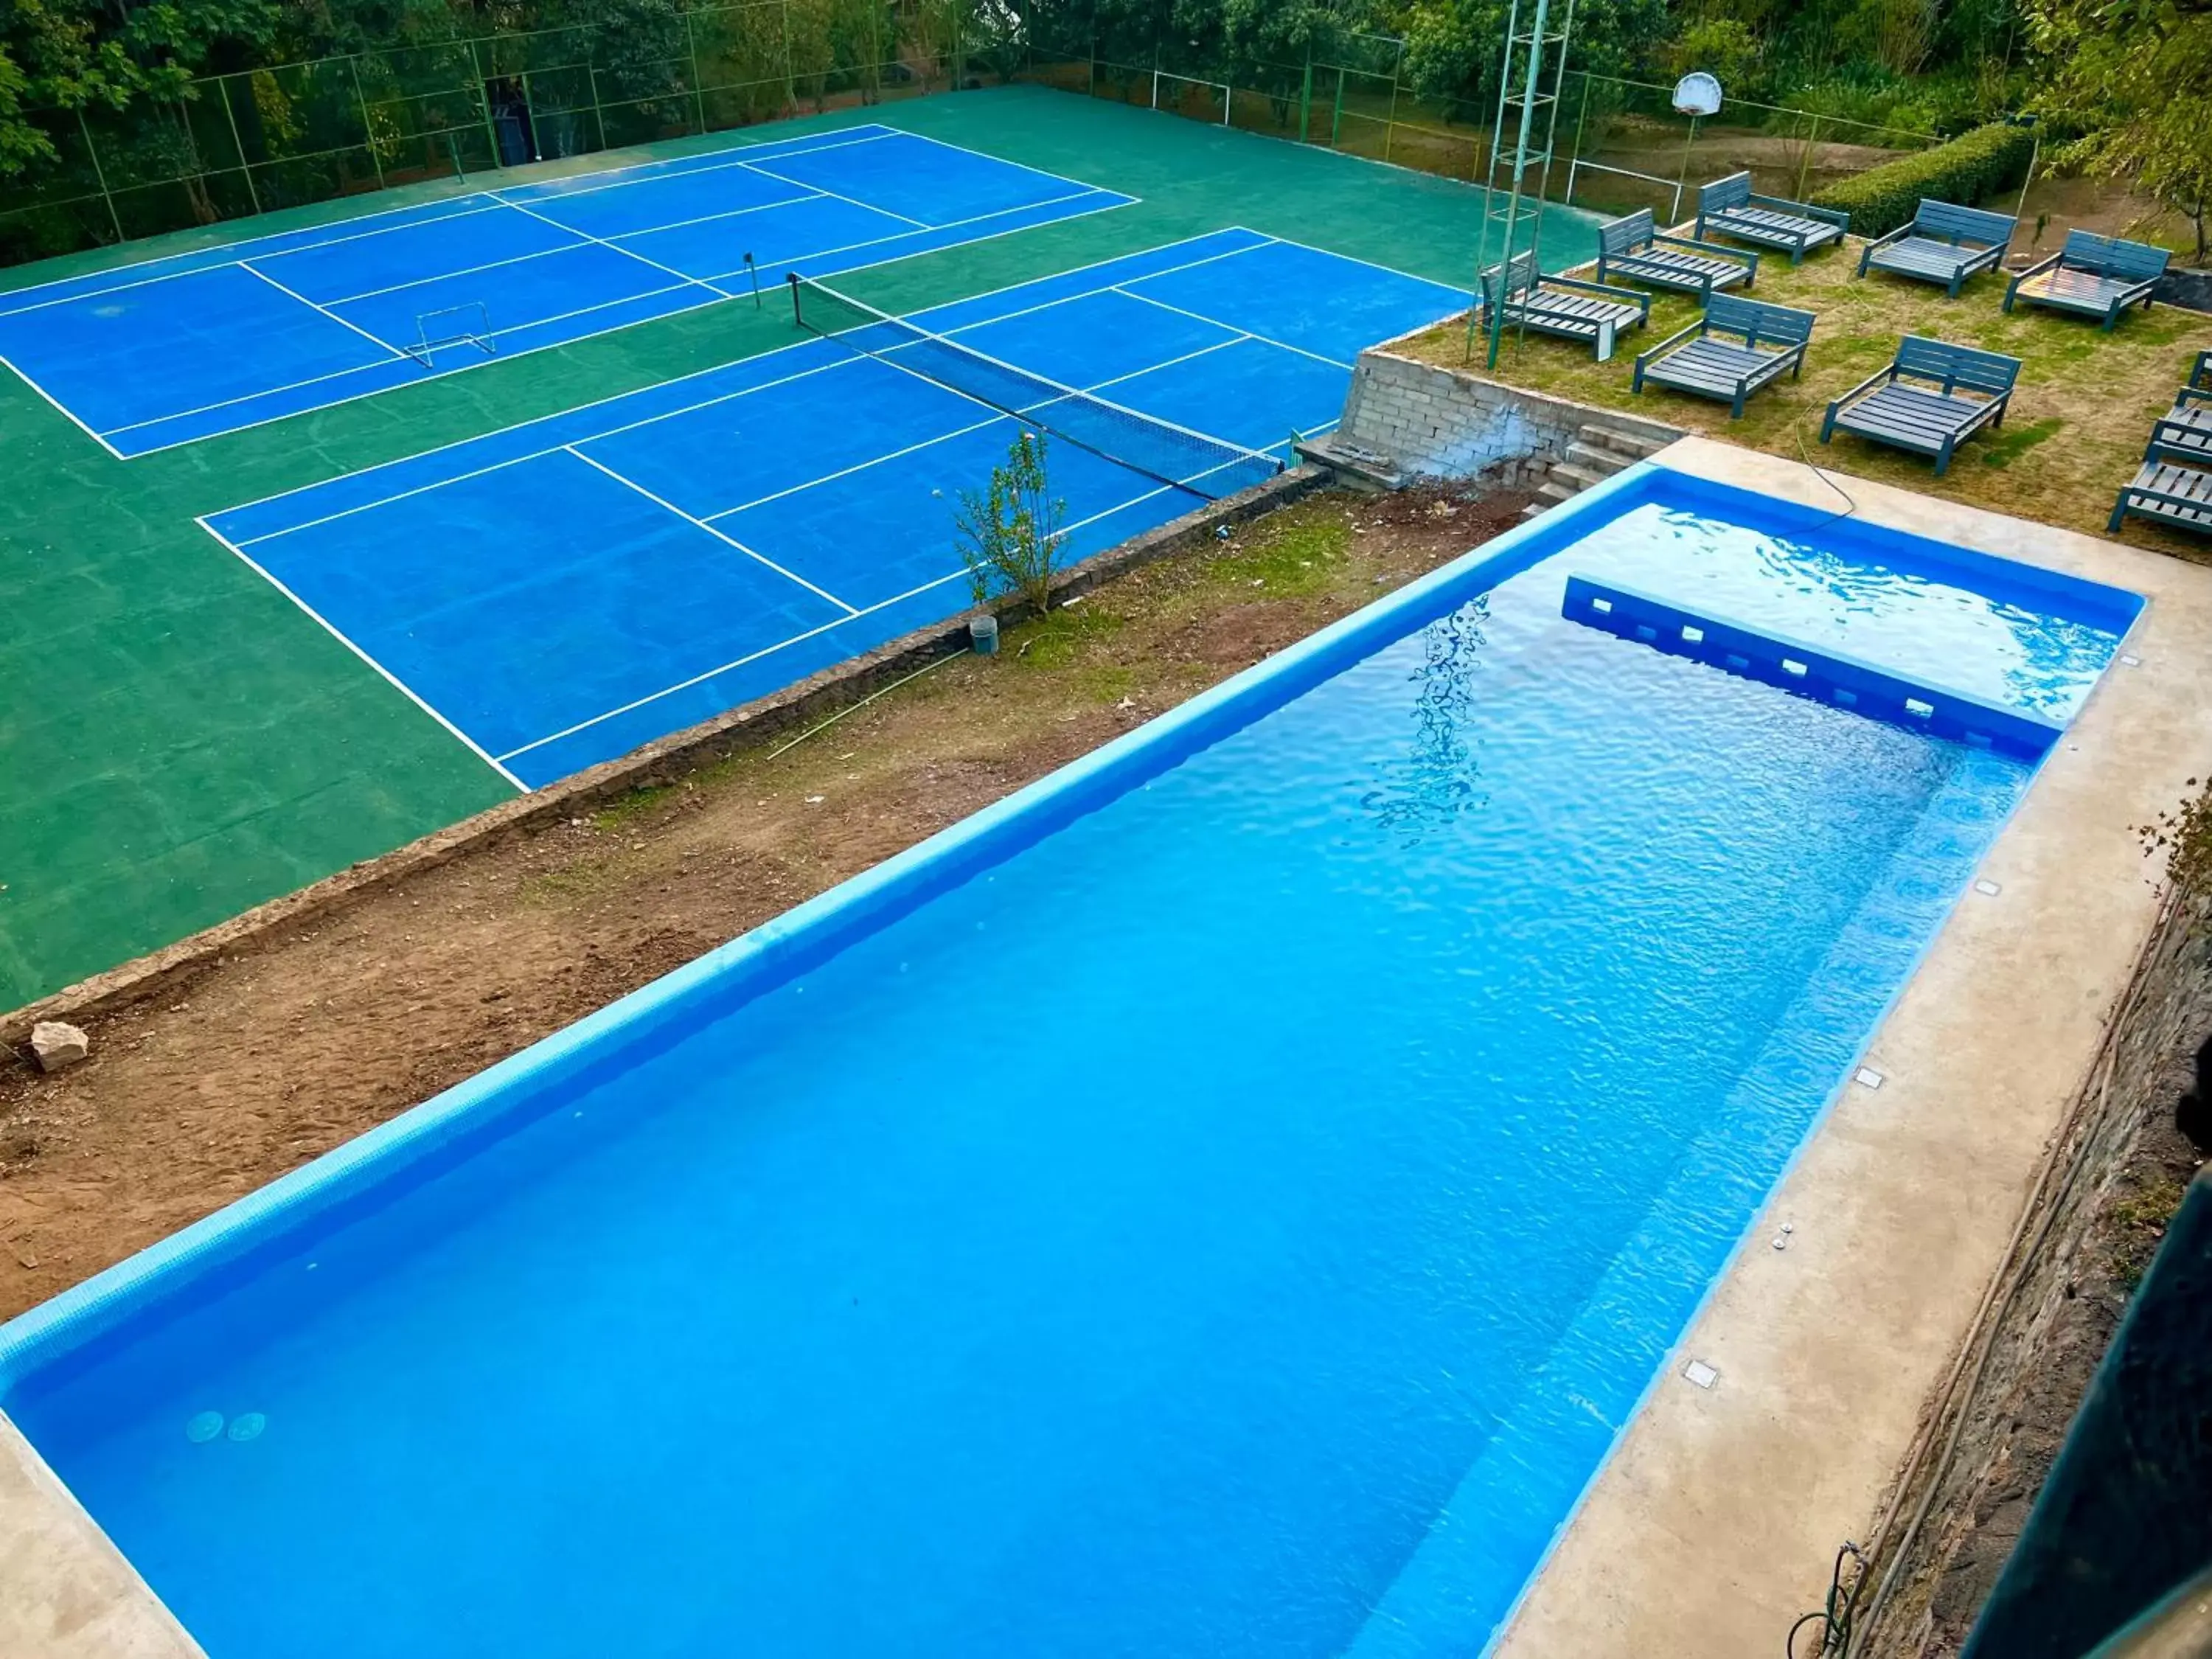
<point x="1714" y="1522"/>
<point x="236" y="1239"/>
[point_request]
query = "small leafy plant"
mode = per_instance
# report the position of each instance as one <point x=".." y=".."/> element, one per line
<point x="1010" y="533"/>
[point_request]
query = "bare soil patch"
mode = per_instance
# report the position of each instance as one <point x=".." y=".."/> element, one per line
<point x="276" y="1054"/>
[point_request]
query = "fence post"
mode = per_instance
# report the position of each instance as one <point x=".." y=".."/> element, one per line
<point x="239" y="144"/>
<point x="1336" y="115"/>
<point x="598" y="114"/>
<point x="1390" y="121"/>
<point x="367" y="124"/>
<point x="698" y="93"/>
<point x="483" y="102"/>
<point x="1305" y="99"/>
<point x="99" y="172"/>
<point x="1805" y="166"/>
<point x="790" y="80"/>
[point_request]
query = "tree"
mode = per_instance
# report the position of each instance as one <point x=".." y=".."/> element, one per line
<point x="2121" y="74"/>
<point x="1452" y="47"/>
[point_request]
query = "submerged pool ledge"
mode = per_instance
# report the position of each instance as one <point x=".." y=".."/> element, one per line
<point x="1807" y="671"/>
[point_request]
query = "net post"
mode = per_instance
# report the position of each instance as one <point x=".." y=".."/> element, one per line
<point x="797" y="312"/>
<point x="753" y="272"/>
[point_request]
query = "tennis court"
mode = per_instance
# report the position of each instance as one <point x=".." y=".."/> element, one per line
<point x="559" y="592"/>
<point x="146" y="356"/>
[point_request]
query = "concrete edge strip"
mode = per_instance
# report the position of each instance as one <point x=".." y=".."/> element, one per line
<point x="664" y="760"/>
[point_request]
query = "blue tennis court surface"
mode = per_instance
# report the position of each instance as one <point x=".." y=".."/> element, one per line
<point x="560" y="592"/>
<point x="150" y="355"/>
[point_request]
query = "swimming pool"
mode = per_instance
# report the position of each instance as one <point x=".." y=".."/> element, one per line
<point x="1226" y="1197"/>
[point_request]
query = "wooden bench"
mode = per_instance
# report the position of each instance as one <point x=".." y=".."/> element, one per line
<point x="1634" y="248"/>
<point x="2172" y="487"/>
<point x="1764" y="340"/>
<point x="1944" y="243"/>
<point x="1727" y="206"/>
<point x="2186" y="429"/>
<point x="1562" y="306"/>
<point x="2200" y="373"/>
<point x="1929" y="399"/>
<point x="2098" y="276"/>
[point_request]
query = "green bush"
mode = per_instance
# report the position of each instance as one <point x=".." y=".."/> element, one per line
<point x="1970" y="168"/>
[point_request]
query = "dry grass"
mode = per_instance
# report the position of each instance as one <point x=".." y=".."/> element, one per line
<point x="2073" y="436"/>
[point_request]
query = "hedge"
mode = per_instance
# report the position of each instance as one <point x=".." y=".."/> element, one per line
<point x="1972" y="168"/>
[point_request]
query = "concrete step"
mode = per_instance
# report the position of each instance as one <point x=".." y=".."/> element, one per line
<point x="1535" y="509"/>
<point x="1581" y="477"/>
<point x="1634" y="445"/>
<point x="1556" y="491"/>
<point x="1603" y="462"/>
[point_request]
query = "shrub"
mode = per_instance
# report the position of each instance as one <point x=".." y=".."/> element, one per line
<point x="1010" y="533"/>
<point x="1972" y="166"/>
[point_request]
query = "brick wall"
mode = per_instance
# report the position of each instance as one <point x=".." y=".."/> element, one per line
<point x="1451" y="423"/>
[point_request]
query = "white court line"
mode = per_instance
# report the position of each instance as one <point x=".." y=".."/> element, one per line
<point x="724" y="668"/>
<point x="465" y="271"/>
<point x="637" y="703"/>
<point x="709" y="218"/>
<point x="241" y="251"/>
<point x="517" y="460"/>
<point x="405" y="689"/>
<point x="697" y="373"/>
<point x="372" y="339"/>
<point x="857" y="466"/>
<point x="1353" y="258"/>
<point x="721" y="536"/>
<point x="604" y="305"/>
<point x="1117" y="201"/>
<point x="949" y="224"/>
<point x="851" y="201"/>
<point x="62" y="408"/>
<point x="1264" y="339"/>
<point x="238" y="258"/>
<point x="627" y="253"/>
<point x="1082" y="293"/>
<point x="736" y="155"/>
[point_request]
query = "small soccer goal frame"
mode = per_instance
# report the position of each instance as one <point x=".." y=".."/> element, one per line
<point x="1170" y="92"/>
<point x="468" y="325"/>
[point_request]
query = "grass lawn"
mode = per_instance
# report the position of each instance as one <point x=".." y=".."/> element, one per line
<point x="2073" y="434"/>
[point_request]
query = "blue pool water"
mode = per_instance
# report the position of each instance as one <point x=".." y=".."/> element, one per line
<point x="1225" y="1201"/>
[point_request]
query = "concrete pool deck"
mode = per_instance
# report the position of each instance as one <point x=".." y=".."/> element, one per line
<point x="1716" y="1519"/>
<point x="1713" y="1524"/>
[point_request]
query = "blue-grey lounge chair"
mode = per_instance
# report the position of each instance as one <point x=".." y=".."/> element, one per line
<point x="1932" y="398"/>
<point x="1633" y="248"/>
<point x="2172" y="487"/>
<point x="1944" y="243"/>
<point x="1738" y="346"/>
<point x="2093" y="275"/>
<point x="1728" y="207"/>
<point x="1563" y="306"/>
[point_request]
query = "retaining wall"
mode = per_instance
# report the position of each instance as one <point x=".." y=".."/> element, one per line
<point x="1451" y="423"/>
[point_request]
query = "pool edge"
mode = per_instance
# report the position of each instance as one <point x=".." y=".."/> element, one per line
<point x="1712" y="1522"/>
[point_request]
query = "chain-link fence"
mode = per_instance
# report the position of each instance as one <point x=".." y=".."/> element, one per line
<point x="1630" y="148"/>
<point x="261" y="139"/>
<point x="248" y="142"/>
<point x="1354" y="98"/>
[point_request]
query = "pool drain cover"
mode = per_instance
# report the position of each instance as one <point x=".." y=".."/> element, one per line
<point x="247" y="1425"/>
<point x="202" y="1427"/>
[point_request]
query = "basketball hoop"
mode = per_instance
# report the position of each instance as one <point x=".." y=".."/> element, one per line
<point x="1698" y="94"/>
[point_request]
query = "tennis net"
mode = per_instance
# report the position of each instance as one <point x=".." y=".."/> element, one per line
<point x="1206" y="466"/>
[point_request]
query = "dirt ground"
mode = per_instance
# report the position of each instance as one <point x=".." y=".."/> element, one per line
<point x="275" y="1056"/>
